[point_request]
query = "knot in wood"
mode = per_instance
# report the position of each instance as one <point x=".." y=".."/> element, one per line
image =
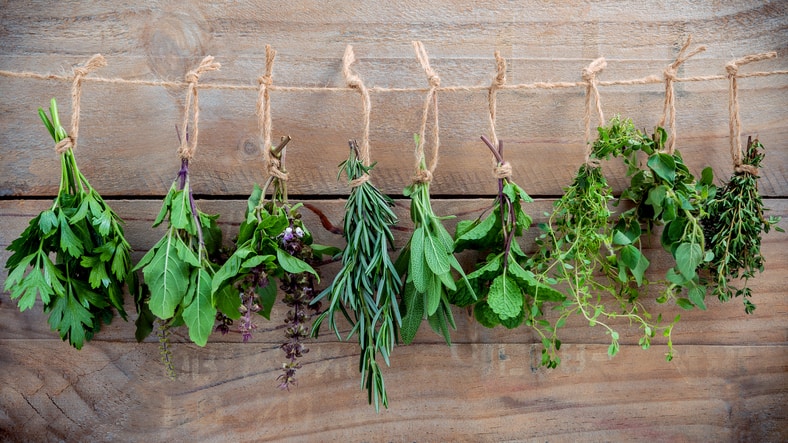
<point x="423" y="176"/>
<point x="64" y="145"/>
<point x="504" y="170"/>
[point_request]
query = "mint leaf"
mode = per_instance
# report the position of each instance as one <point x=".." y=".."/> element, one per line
<point x="505" y="297"/>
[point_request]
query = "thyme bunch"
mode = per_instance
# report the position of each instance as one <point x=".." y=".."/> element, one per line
<point x="734" y="224"/>
<point x="365" y="288"/>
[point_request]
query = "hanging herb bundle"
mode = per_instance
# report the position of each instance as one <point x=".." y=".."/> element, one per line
<point x="426" y="263"/>
<point x="595" y="261"/>
<point x="272" y="243"/>
<point x="365" y="288"/>
<point x="178" y="270"/>
<point x="84" y="284"/>
<point x="666" y="194"/>
<point x="507" y="293"/>
<point x="733" y="225"/>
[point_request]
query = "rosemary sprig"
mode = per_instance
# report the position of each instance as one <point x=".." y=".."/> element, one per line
<point x="733" y="226"/>
<point x="365" y="288"/>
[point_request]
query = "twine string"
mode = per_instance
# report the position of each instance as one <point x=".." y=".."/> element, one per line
<point x="670" y="75"/>
<point x="592" y="101"/>
<point x="734" y="122"/>
<point x="501" y="169"/>
<point x="70" y="142"/>
<point x="424" y="175"/>
<point x="354" y="82"/>
<point x="272" y="162"/>
<point x="189" y="146"/>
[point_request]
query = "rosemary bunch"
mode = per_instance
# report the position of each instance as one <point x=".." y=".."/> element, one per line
<point x="733" y="226"/>
<point x="365" y="288"/>
<point x="84" y="283"/>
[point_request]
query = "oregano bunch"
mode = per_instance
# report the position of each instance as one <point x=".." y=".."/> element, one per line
<point x="591" y="259"/>
<point x="506" y="292"/>
<point x="178" y="270"/>
<point x="734" y="223"/>
<point x="366" y="287"/>
<point x="663" y="193"/>
<point x="83" y="286"/>
<point x="425" y="265"/>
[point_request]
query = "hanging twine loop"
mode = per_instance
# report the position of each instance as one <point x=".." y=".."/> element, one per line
<point x="592" y="93"/>
<point x="353" y="81"/>
<point x="424" y="175"/>
<point x="187" y="147"/>
<point x="272" y="161"/>
<point x="500" y="170"/>
<point x="670" y="75"/>
<point x="70" y="142"/>
<point x="732" y="68"/>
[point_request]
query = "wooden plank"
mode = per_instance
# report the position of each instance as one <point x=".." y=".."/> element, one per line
<point x="159" y="42"/>
<point x="721" y="324"/>
<point x="474" y="392"/>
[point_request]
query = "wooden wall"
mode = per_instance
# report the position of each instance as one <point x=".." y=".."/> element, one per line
<point x="727" y="383"/>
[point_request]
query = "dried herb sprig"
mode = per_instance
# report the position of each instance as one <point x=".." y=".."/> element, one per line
<point x="507" y="292"/>
<point x="84" y="284"/>
<point x="366" y="287"/>
<point x="734" y="224"/>
<point x="425" y="265"/>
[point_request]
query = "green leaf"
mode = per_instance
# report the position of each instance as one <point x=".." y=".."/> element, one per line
<point x="34" y="285"/>
<point x="505" y="297"/>
<point x="200" y="315"/>
<point x="294" y="265"/>
<point x="227" y="300"/>
<point x="435" y="255"/>
<point x="47" y="222"/>
<point x="185" y="253"/>
<point x="230" y="268"/>
<point x="484" y="314"/>
<point x="181" y="212"/>
<point x="165" y="206"/>
<point x="476" y="232"/>
<point x="70" y="318"/>
<point x="688" y="257"/>
<point x="683" y="303"/>
<point x="663" y="165"/>
<point x="707" y="176"/>
<point x="697" y="294"/>
<point x="267" y="298"/>
<point x="635" y="261"/>
<point x="68" y="241"/>
<point x="416" y="266"/>
<point x="414" y="313"/>
<point x="167" y="278"/>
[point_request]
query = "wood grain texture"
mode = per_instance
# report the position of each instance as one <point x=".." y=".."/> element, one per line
<point x="543" y="41"/>
<point x="728" y="382"/>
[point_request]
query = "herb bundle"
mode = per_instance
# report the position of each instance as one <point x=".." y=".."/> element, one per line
<point x="178" y="270"/>
<point x="426" y="263"/>
<point x="663" y="193"/>
<point x="733" y="224"/>
<point x="594" y="261"/>
<point x="506" y="291"/>
<point x="365" y="288"/>
<point x="85" y="282"/>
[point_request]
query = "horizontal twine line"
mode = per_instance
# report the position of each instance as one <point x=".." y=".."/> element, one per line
<point x="652" y="79"/>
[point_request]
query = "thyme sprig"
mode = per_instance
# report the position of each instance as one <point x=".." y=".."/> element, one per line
<point x="734" y="224"/>
<point x="83" y="286"/>
<point x="366" y="287"/>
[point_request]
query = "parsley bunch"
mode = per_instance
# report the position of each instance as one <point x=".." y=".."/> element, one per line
<point x="507" y="292"/>
<point x="425" y="265"/>
<point x="365" y="288"/>
<point x="733" y="226"/>
<point x="84" y="283"/>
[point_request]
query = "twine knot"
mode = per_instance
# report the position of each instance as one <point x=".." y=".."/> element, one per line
<point x="434" y="80"/>
<point x="732" y="68"/>
<point x="746" y="169"/>
<point x="64" y="145"/>
<point x="423" y="176"/>
<point x="670" y="73"/>
<point x="359" y="181"/>
<point x="272" y="167"/>
<point x="503" y="170"/>
<point x="265" y="80"/>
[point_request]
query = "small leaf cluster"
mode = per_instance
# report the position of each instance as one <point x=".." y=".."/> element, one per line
<point x="425" y="265"/>
<point x="366" y="287"/>
<point x="734" y="224"/>
<point x="83" y="286"/>
<point x="178" y="270"/>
